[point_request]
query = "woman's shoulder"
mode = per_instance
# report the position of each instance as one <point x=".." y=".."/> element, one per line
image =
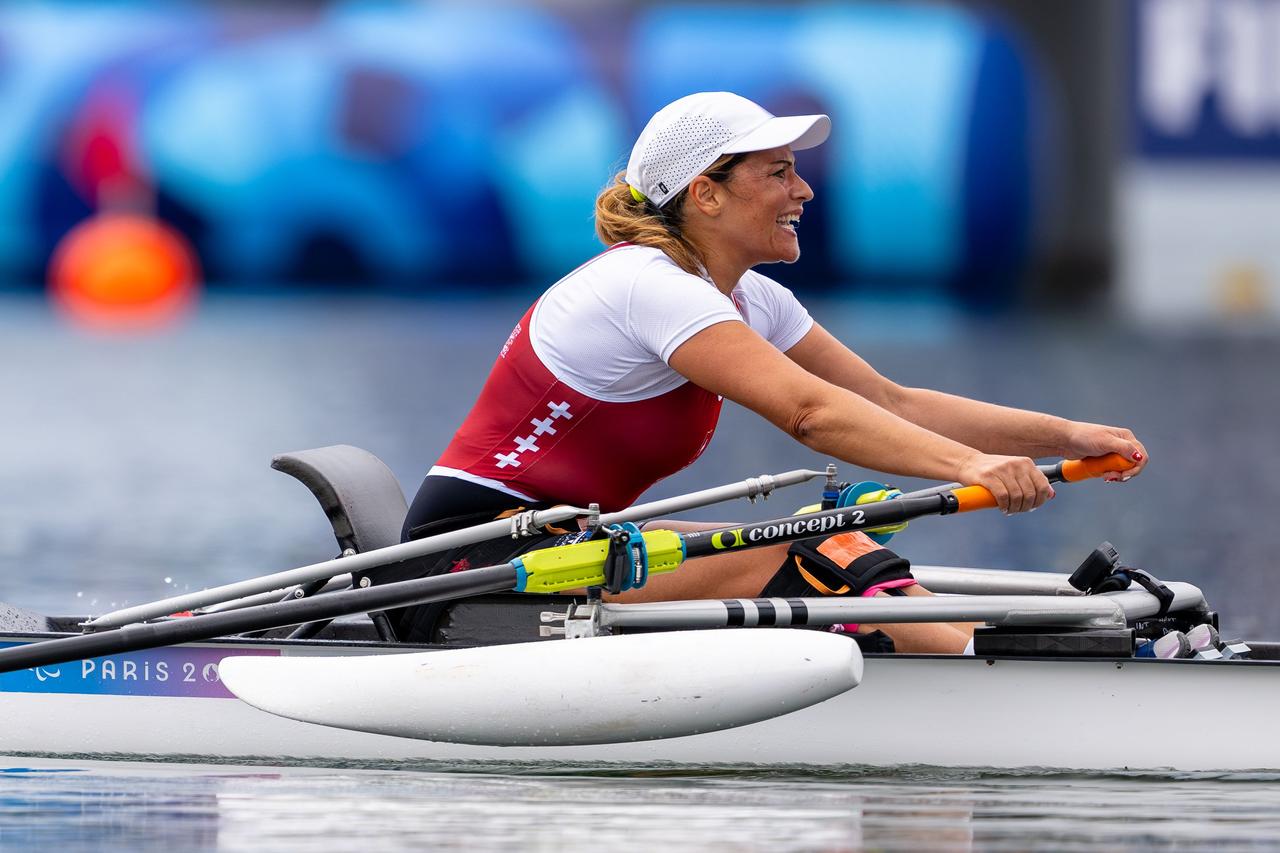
<point x="619" y="271"/>
<point x="639" y="260"/>
<point x="754" y="282"/>
<point x="772" y="310"/>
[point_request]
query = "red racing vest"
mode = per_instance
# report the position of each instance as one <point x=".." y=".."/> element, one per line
<point x="534" y="434"/>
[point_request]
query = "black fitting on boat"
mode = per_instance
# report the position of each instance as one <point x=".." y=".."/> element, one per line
<point x="950" y="503"/>
<point x="1101" y="572"/>
<point x="1096" y="569"/>
<point x="626" y="564"/>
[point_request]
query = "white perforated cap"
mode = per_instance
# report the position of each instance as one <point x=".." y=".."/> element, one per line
<point x="686" y="136"/>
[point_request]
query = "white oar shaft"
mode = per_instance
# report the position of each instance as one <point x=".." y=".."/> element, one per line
<point x="751" y="488"/>
<point x="338" y="582"/>
<point x="323" y="571"/>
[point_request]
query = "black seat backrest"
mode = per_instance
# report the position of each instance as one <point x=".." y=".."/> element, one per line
<point x="358" y="492"/>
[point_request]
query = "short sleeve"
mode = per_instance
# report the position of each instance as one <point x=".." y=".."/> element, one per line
<point x="774" y="311"/>
<point x="667" y="306"/>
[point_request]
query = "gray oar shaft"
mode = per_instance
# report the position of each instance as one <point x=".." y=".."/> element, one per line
<point x="750" y="488"/>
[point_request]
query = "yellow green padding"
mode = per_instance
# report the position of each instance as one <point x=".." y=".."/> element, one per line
<point x="575" y="566"/>
<point x="866" y="493"/>
<point x="876" y="497"/>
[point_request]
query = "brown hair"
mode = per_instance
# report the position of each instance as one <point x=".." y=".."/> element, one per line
<point x="620" y="218"/>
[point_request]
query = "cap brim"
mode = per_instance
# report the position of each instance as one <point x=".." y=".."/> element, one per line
<point x="799" y="132"/>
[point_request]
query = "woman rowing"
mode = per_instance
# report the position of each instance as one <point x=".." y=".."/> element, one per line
<point x="614" y="378"/>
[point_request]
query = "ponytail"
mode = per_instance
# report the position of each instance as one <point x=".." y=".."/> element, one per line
<point x="622" y="218"/>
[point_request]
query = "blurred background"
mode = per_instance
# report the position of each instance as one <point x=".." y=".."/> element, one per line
<point x="228" y="231"/>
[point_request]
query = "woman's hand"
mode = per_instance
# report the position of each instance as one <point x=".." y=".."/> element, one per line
<point x="1015" y="481"/>
<point x="1097" y="440"/>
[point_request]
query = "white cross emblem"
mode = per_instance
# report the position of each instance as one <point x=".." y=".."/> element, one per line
<point x="541" y="426"/>
<point x="505" y="459"/>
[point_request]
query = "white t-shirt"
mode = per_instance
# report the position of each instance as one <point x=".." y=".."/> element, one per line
<point x="608" y="329"/>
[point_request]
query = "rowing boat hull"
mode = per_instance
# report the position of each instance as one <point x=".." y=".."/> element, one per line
<point x="1089" y="714"/>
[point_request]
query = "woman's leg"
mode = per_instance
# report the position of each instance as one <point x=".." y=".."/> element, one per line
<point x="925" y="637"/>
<point x="745" y="573"/>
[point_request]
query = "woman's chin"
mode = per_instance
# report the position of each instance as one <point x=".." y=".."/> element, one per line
<point x="781" y="254"/>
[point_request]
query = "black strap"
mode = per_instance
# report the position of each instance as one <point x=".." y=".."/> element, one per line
<point x="1152" y="585"/>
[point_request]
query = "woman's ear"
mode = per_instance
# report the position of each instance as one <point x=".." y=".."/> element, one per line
<point x="704" y="194"/>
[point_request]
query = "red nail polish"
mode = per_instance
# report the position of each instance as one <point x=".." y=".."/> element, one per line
<point x="1137" y="456"/>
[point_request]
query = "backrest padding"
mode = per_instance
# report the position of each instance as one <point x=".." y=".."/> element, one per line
<point x="359" y="494"/>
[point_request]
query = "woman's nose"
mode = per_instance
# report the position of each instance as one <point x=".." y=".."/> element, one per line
<point x="802" y="190"/>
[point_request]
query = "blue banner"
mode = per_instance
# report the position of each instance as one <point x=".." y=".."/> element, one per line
<point x="190" y="671"/>
<point x="1205" y="79"/>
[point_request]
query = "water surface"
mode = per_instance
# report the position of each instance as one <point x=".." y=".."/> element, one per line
<point x="75" y="805"/>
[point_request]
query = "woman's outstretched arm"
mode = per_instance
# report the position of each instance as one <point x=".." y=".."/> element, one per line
<point x="983" y="426"/>
<point x="730" y="359"/>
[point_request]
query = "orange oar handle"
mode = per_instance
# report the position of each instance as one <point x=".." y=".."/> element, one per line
<point x="1069" y="471"/>
<point x="974" y="497"/>
<point x="1094" y="466"/>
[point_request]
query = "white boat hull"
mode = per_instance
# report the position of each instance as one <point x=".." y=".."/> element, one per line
<point x="941" y="711"/>
<point x="597" y="690"/>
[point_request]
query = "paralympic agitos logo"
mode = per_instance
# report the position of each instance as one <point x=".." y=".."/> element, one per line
<point x="740" y="537"/>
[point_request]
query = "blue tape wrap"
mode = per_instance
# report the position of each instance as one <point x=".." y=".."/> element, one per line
<point x="849" y="497"/>
<point x="637" y="551"/>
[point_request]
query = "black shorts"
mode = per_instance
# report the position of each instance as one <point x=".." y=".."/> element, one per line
<point x="442" y="505"/>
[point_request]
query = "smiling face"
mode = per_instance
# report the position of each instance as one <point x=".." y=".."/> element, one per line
<point x="759" y="208"/>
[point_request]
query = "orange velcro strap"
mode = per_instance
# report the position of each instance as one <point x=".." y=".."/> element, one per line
<point x="843" y="548"/>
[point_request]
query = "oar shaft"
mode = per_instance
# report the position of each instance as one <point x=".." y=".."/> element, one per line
<point x="321" y="571"/>
<point x="706" y="542"/>
<point x="197" y="628"/>
<point x="568" y="567"/>
<point x="748" y="488"/>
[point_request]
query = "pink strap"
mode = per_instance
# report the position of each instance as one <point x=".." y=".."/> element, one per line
<point x="898" y="584"/>
<point x="852" y="627"/>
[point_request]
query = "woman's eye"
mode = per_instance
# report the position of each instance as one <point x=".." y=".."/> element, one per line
<point x="781" y="173"/>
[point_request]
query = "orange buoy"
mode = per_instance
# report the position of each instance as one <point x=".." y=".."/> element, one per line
<point x="124" y="271"/>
